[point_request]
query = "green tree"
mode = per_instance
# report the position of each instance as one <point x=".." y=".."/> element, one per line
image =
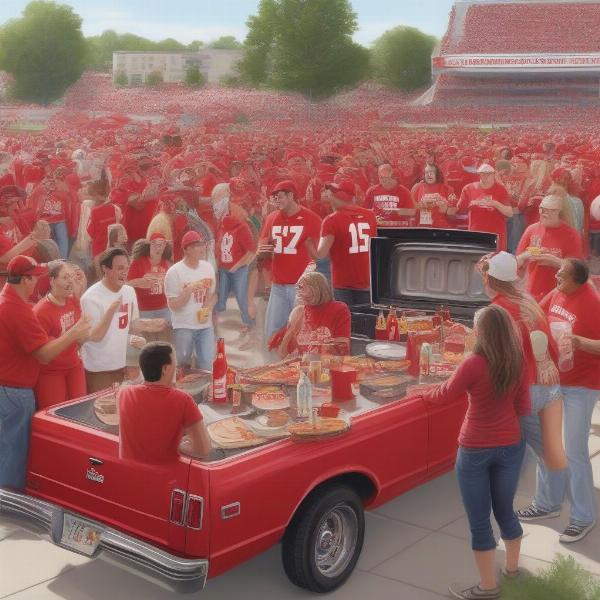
<point x="226" y="42"/>
<point x="195" y="45"/>
<point x="193" y="76"/>
<point x="154" y="78"/>
<point x="401" y="57"/>
<point x="304" y="45"/>
<point x="44" y="51"/>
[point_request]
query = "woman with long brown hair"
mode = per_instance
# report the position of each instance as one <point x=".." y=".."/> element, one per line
<point x="542" y="429"/>
<point x="491" y="448"/>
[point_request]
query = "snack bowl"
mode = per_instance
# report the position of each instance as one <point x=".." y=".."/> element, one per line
<point x="329" y="410"/>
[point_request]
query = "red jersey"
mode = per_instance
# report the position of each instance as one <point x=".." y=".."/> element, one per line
<point x="433" y="217"/>
<point x="149" y="298"/>
<point x="581" y="309"/>
<point x="489" y="421"/>
<point x="289" y="236"/>
<point x="234" y="240"/>
<point x="20" y="335"/>
<point x="382" y="200"/>
<point x="152" y="419"/>
<point x="323" y="323"/>
<point x="483" y="218"/>
<point x="100" y="218"/>
<point x="563" y="241"/>
<point x="57" y="320"/>
<point x="351" y="228"/>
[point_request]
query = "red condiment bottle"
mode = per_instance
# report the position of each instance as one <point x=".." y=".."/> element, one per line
<point x="219" y="375"/>
<point x="393" y="333"/>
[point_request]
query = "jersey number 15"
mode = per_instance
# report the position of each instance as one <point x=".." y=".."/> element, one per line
<point x="359" y="232"/>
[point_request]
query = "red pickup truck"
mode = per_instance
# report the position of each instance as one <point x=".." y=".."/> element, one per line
<point x="183" y="522"/>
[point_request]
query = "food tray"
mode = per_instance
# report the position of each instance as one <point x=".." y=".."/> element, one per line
<point x="386" y="387"/>
<point x="386" y="350"/>
<point x="223" y="434"/>
<point x="322" y="429"/>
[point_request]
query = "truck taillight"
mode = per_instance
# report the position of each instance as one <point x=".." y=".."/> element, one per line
<point x="177" y="512"/>
<point x="195" y="512"/>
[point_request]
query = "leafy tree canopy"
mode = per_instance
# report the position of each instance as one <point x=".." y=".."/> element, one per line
<point x="303" y="45"/>
<point x="44" y="51"/>
<point x="226" y="42"/>
<point x="401" y="57"/>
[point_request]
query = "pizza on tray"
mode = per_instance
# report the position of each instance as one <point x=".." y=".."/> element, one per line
<point x="232" y="432"/>
<point x="320" y="428"/>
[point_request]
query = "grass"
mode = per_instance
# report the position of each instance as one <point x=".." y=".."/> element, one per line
<point x="563" y="580"/>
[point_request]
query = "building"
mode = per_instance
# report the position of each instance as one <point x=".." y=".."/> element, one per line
<point x="518" y="52"/>
<point x="172" y="66"/>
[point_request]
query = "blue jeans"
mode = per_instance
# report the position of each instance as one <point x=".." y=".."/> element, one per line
<point x="515" y="226"/>
<point x="17" y="406"/>
<point x="238" y="281"/>
<point x="352" y="297"/>
<point x="61" y="237"/>
<point x="488" y="479"/>
<point x="551" y="485"/>
<point x="160" y="313"/>
<point x="324" y="267"/>
<point x="200" y="341"/>
<point x="281" y="302"/>
<point x="579" y="405"/>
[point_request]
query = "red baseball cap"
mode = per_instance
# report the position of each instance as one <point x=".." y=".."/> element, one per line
<point x="344" y="190"/>
<point x="157" y="235"/>
<point x="191" y="237"/>
<point x="25" y="265"/>
<point x="286" y="186"/>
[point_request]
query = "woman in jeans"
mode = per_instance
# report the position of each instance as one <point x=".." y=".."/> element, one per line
<point x="491" y="449"/>
<point x="542" y="429"/>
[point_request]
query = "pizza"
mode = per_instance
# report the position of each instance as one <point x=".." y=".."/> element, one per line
<point x="283" y="374"/>
<point x="393" y="365"/>
<point x="322" y="427"/>
<point x="105" y="409"/>
<point x="270" y="398"/>
<point x="232" y="432"/>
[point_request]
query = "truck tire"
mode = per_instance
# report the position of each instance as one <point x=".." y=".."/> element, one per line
<point x="322" y="544"/>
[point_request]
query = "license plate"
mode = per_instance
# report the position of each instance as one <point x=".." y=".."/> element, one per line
<point x="80" y="535"/>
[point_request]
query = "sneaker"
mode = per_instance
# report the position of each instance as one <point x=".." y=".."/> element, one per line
<point x="533" y="513"/>
<point x="474" y="592"/>
<point x="574" y="533"/>
<point x="519" y="573"/>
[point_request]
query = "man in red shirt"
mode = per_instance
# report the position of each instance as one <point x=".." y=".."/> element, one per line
<point x="235" y="250"/>
<point x="488" y="204"/>
<point x="390" y="201"/>
<point x="345" y="237"/>
<point x="23" y="345"/>
<point x="543" y="246"/>
<point x="576" y="303"/>
<point x="286" y="233"/>
<point x="154" y="415"/>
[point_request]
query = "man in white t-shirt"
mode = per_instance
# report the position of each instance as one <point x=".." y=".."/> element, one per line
<point x="190" y="290"/>
<point x="113" y="311"/>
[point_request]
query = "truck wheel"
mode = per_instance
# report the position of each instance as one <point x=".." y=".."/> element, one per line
<point x="323" y="542"/>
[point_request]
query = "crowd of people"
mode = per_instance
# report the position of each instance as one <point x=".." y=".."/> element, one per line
<point x="147" y="230"/>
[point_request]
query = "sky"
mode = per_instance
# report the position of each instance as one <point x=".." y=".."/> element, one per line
<point x="206" y="20"/>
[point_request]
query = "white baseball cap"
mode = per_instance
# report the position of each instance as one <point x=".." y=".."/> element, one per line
<point x="503" y="266"/>
<point x="486" y="168"/>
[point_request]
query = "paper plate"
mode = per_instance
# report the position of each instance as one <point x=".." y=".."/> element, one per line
<point x="386" y="350"/>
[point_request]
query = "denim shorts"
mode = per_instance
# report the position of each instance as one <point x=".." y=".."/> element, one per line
<point x="488" y="479"/>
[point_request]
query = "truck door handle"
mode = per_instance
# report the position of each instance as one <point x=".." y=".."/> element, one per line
<point x="95" y="461"/>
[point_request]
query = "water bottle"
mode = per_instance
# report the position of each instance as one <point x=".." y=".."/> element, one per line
<point x="562" y="332"/>
<point x="304" y="396"/>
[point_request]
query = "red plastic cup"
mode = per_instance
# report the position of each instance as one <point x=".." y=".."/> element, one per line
<point x="342" y="383"/>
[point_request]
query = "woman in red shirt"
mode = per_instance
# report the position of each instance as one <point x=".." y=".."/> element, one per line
<point x="318" y="325"/>
<point x="491" y="450"/>
<point x="150" y="262"/>
<point x="63" y="378"/>
<point x="543" y="428"/>
<point x="431" y="197"/>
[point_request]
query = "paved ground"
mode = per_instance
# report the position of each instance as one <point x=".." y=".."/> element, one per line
<point x="415" y="545"/>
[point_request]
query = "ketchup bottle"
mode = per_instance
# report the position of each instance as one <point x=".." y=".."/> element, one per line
<point x="219" y="374"/>
<point x="393" y="334"/>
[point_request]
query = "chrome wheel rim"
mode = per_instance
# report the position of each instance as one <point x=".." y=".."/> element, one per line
<point x="336" y="539"/>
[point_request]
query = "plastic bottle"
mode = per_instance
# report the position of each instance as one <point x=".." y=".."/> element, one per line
<point x="219" y="375"/>
<point x="380" y="327"/>
<point x="304" y="396"/>
<point x="393" y="334"/>
<point x="424" y="360"/>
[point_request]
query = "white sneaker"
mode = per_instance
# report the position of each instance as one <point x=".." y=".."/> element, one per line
<point x="574" y="533"/>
